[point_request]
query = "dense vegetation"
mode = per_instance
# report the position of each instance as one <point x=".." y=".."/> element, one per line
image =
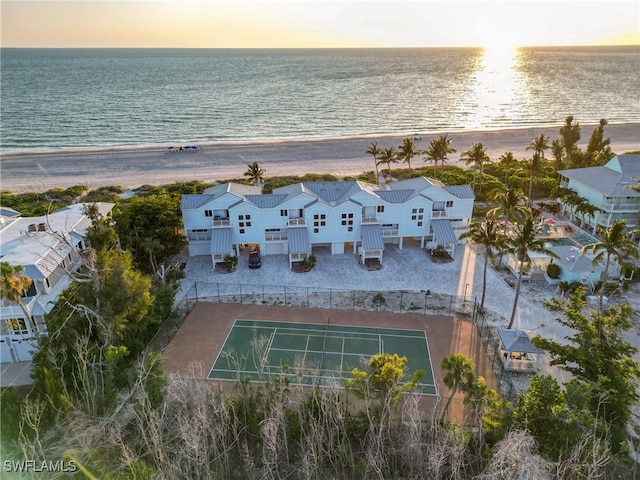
<point x="103" y="402"/>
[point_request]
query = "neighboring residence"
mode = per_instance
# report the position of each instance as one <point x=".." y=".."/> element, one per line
<point x="605" y="188"/>
<point x="345" y="216"/>
<point x="47" y="247"/>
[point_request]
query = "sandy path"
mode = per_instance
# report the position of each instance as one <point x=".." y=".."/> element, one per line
<point x="131" y="167"/>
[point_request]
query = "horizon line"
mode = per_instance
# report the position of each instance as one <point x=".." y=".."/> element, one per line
<point x="317" y="47"/>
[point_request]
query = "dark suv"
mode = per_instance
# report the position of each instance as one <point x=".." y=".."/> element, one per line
<point x="254" y="260"/>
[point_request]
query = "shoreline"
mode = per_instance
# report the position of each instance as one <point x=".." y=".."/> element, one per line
<point x="133" y="166"/>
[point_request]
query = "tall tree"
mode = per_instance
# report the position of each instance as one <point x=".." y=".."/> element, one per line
<point x="538" y="145"/>
<point x="374" y="151"/>
<point x="521" y="244"/>
<point x="599" y="357"/>
<point x="598" y="145"/>
<point x="151" y="228"/>
<point x="615" y="242"/>
<point x="511" y="205"/>
<point x="489" y="235"/>
<point x="570" y="133"/>
<point x="476" y="156"/>
<point x="459" y="372"/>
<point x="557" y="152"/>
<point x="388" y="156"/>
<point x="14" y="284"/>
<point x="255" y="173"/>
<point x="438" y="151"/>
<point x="407" y="151"/>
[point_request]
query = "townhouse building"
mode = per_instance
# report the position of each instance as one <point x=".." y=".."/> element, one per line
<point x="607" y="188"/>
<point x="48" y="249"/>
<point x="344" y="216"/>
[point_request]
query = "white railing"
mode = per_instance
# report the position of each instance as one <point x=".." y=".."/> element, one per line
<point x="390" y="232"/>
<point x="620" y="207"/>
<point x="297" y="222"/>
<point x="439" y="214"/>
<point x="369" y="220"/>
<point x="222" y="222"/>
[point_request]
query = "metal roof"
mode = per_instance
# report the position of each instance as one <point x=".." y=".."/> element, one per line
<point x="330" y="191"/>
<point x="372" y="236"/>
<point x="266" y="201"/>
<point x="443" y="231"/>
<point x="517" y="341"/>
<point x="611" y="179"/>
<point x="194" y="200"/>
<point x="460" y="191"/>
<point x="299" y="240"/>
<point x="396" y="196"/>
<point x="221" y="241"/>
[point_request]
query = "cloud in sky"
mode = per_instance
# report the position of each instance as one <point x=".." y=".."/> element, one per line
<point x="317" y="23"/>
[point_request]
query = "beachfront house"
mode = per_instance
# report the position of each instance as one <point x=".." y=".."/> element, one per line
<point x="606" y="187"/>
<point x="47" y="248"/>
<point x="345" y="216"/>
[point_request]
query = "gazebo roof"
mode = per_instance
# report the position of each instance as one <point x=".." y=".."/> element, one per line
<point x="517" y="341"/>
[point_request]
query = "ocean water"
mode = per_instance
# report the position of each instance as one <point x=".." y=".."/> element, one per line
<point x="66" y="98"/>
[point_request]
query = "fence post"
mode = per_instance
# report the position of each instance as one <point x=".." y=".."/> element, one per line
<point x="195" y="285"/>
<point x="330" y="300"/>
<point x="353" y="300"/>
<point x="450" y="303"/>
<point x="218" y="288"/>
<point x="285" y="295"/>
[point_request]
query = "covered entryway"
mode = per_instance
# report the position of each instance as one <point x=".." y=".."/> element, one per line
<point x="372" y="243"/>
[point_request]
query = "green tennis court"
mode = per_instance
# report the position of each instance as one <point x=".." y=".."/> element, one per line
<point x="315" y="354"/>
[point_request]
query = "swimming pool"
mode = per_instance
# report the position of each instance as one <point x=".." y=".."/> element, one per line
<point x="561" y="242"/>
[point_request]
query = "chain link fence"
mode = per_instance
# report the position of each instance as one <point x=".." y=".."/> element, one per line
<point x="401" y="301"/>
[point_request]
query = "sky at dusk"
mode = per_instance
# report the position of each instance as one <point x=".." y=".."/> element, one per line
<point x="318" y="23"/>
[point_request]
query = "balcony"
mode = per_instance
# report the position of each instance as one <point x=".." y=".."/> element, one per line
<point x="389" y="232"/>
<point x="620" y="207"/>
<point x="439" y="214"/>
<point x="221" y="222"/>
<point x="369" y="220"/>
<point x="297" y="222"/>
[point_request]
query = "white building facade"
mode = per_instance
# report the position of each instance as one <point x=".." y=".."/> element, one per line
<point x="47" y="248"/>
<point x="345" y="216"/>
<point x="606" y="187"/>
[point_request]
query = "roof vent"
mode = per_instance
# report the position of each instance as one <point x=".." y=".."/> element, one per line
<point x="32" y="228"/>
<point x="43" y="227"/>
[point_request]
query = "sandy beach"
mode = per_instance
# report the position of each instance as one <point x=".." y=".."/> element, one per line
<point x="131" y="167"/>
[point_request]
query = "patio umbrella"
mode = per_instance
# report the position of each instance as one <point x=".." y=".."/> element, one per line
<point x="550" y="221"/>
<point x="506" y="223"/>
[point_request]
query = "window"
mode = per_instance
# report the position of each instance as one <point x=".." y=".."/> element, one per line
<point x="449" y="203"/>
<point x="17" y="325"/>
<point x="347" y="221"/>
<point x="380" y="209"/>
<point x="284" y="212"/>
<point x="319" y="220"/>
<point x="208" y="213"/>
<point x="242" y="231"/>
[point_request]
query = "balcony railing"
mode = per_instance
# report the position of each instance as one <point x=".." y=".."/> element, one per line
<point x="221" y="222"/>
<point x="439" y="214"/>
<point x="390" y="232"/>
<point x="369" y="220"/>
<point x="620" y="207"/>
<point x="298" y="222"/>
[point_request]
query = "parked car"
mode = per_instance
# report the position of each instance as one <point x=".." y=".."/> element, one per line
<point x="254" y="260"/>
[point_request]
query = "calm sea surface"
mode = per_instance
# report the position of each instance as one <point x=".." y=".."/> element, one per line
<point x="55" y="98"/>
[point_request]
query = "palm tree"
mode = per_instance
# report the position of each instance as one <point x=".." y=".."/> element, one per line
<point x="476" y="155"/>
<point x="459" y="370"/>
<point x="524" y="242"/>
<point x="585" y="210"/>
<point x="255" y="173"/>
<point x="557" y="151"/>
<point x="388" y="156"/>
<point x="615" y="242"/>
<point x="538" y="145"/>
<point x="490" y="236"/>
<point x="438" y="151"/>
<point x="14" y="283"/>
<point x="570" y="134"/>
<point x="375" y="152"/>
<point x="407" y="151"/>
<point x="511" y="205"/>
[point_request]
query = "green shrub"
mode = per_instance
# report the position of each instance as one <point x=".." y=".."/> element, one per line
<point x="554" y="270"/>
